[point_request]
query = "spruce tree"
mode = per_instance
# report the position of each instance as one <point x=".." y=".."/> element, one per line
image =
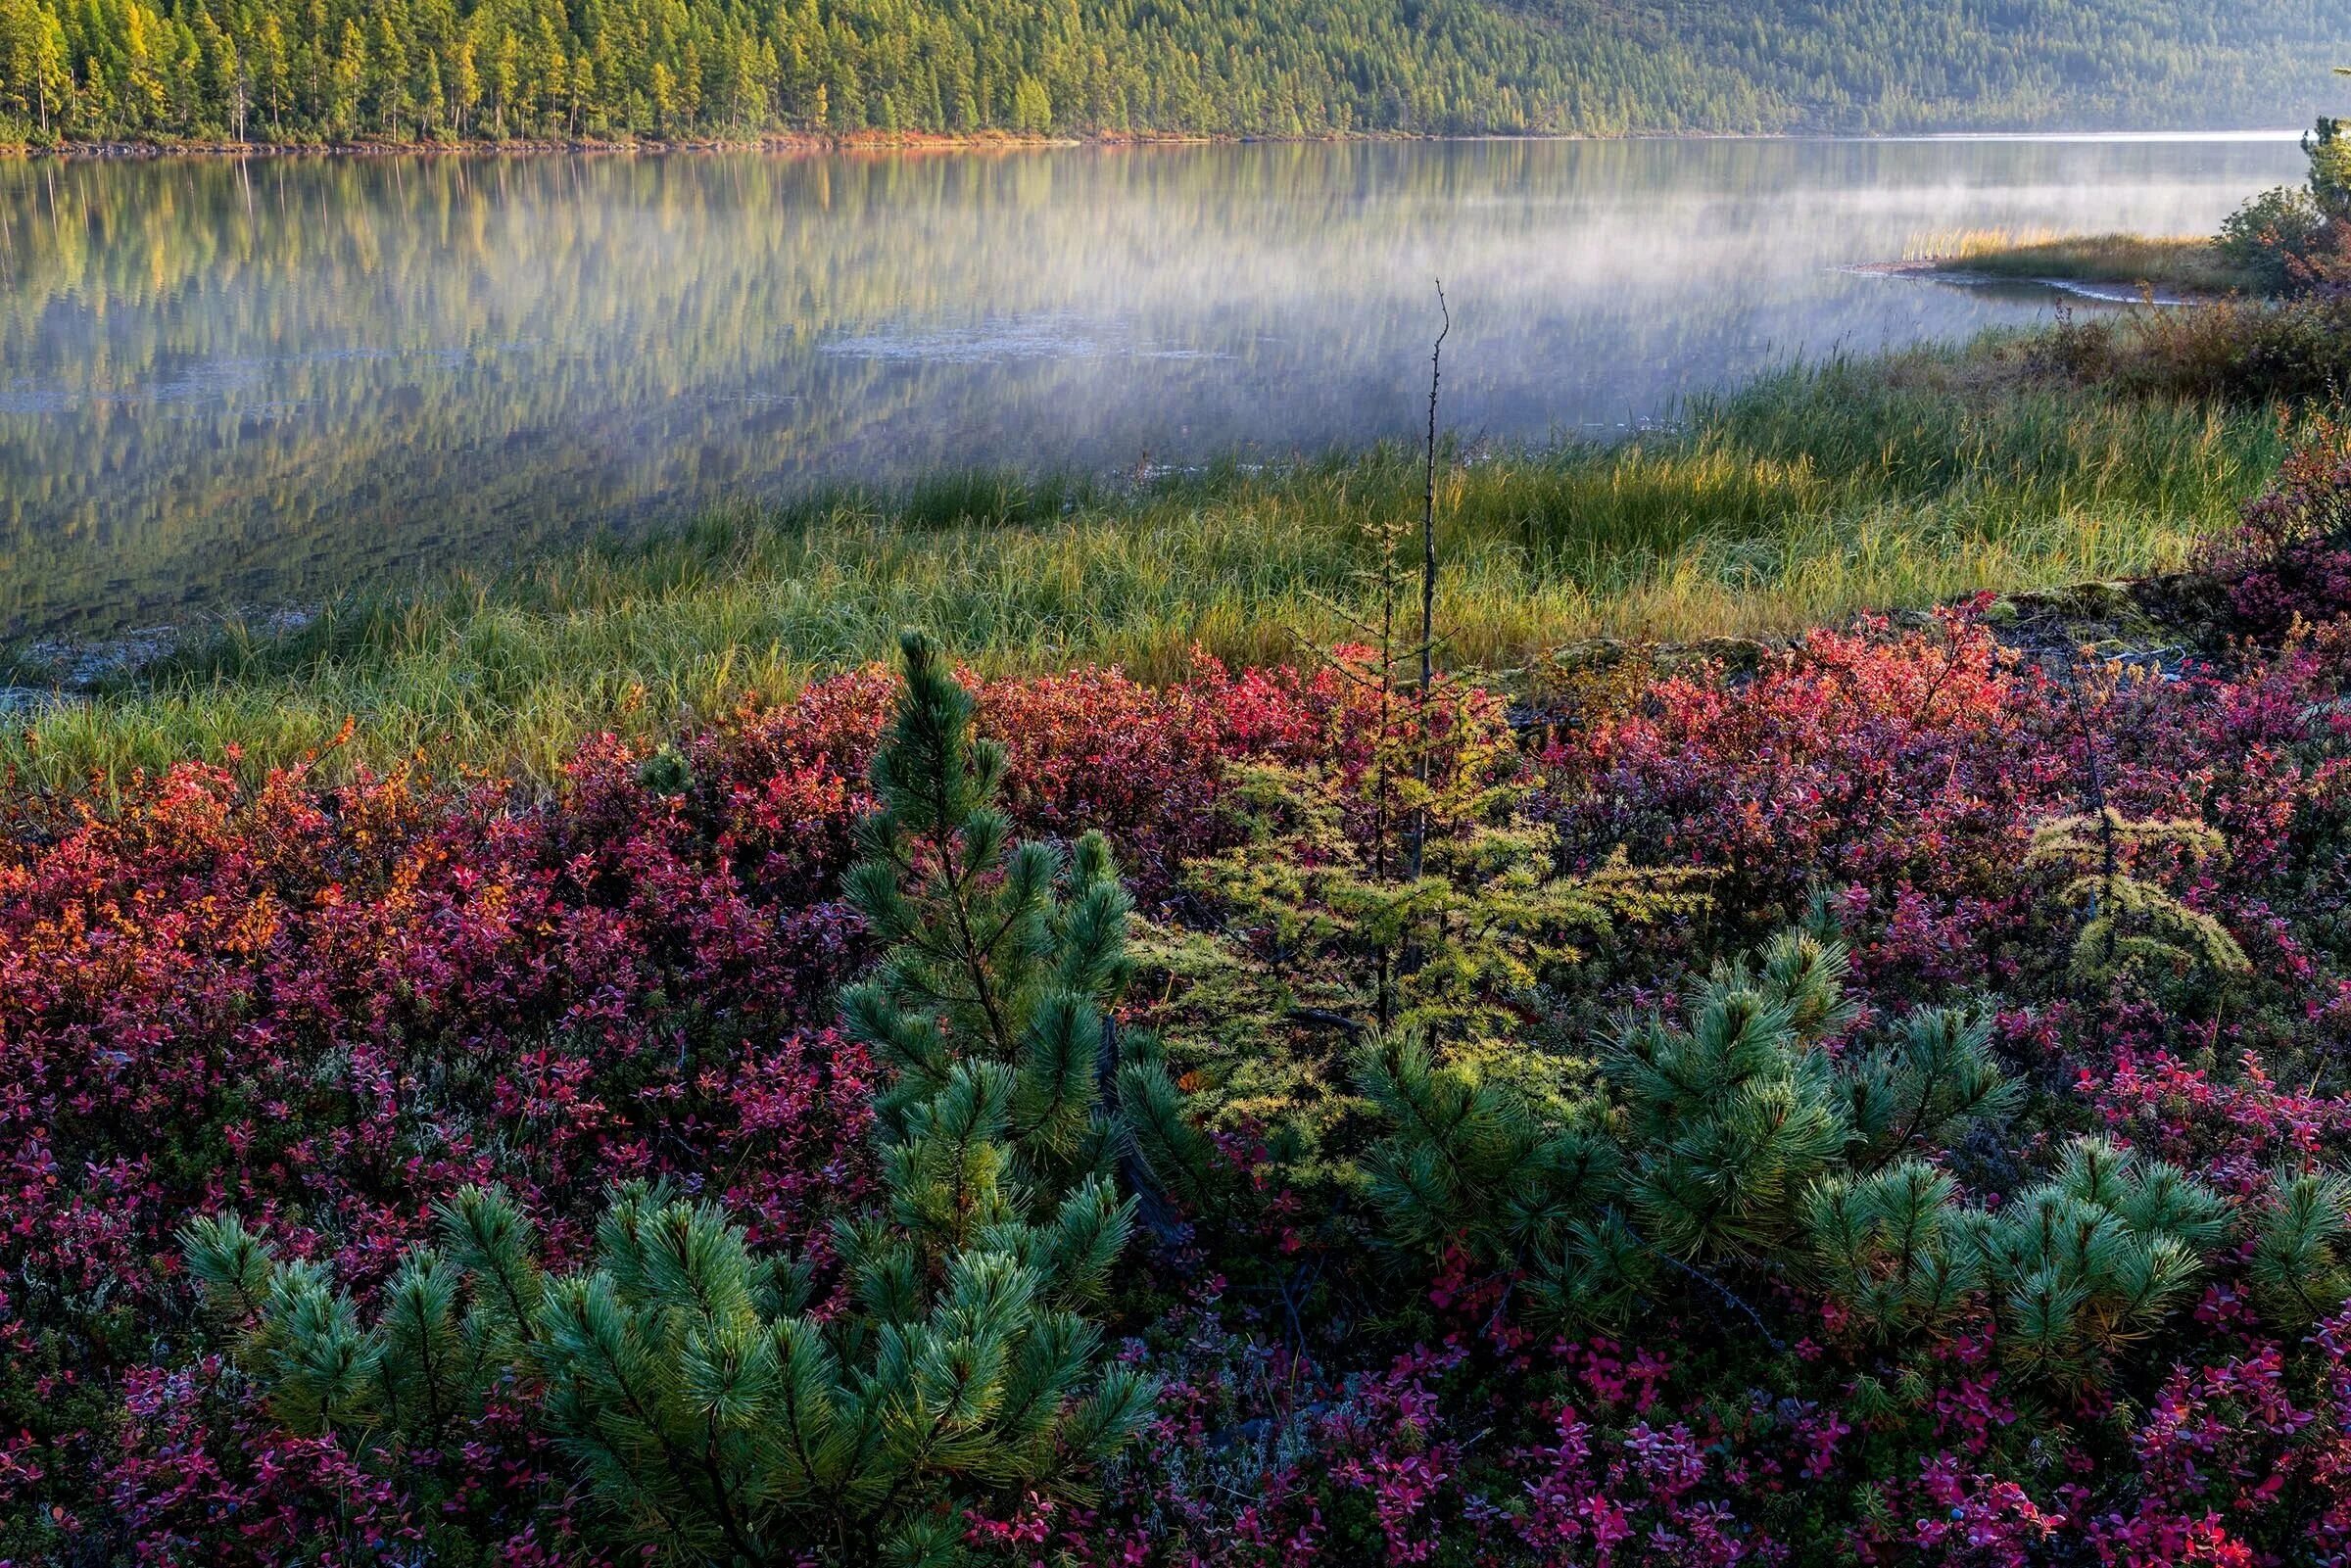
<point x="1325" y="936"/>
<point x="716" y="1414"/>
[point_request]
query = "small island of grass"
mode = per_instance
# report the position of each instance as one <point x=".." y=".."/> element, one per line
<point x="2183" y="265"/>
<point x="2295" y="239"/>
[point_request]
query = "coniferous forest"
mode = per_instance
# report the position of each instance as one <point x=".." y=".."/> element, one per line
<point x="433" y="70"/>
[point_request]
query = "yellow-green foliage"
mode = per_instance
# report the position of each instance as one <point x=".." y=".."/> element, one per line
<point x="1323" y="934"/>
<point x="2130" y="925"/>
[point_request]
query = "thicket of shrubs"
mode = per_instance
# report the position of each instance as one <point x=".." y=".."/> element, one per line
<point x="1882" y="1105"/>
<point x="2287" y="351"/>
<point x="2296" y="239"/>
<point x="2286" y="343"/>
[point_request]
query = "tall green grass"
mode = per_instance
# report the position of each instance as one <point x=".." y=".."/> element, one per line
<point x="1814" y="494"/>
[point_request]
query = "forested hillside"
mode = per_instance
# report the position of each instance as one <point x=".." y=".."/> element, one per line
<point x="298" y="71"/>
<point x="1914" y="64"/>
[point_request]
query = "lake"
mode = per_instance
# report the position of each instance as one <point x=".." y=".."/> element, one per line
<point x="241" y="385"/>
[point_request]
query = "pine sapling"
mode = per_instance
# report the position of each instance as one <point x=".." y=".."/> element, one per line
<point x="718" y="1415"/>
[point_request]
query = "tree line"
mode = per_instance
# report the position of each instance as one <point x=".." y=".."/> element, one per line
<point x="426" y="70"/>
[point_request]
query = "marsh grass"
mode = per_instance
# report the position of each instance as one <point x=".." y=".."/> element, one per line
<point x="2184" y="265"/>
<point x="1814" y="494"/>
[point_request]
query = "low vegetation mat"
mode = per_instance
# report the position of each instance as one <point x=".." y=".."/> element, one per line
<point x="1875" y="1098"/>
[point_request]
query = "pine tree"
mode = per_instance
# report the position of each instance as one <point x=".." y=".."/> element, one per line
<point x="1919" y="1088"/>
<point x="1733" y="1143"/>
<point x="1001" y="958"/>
<point x="1471" y="1163"/>
<point x="2075" y="1269"/>
<point x="1888" y="1245"/>
<point x="2092" y="1260"/>
<point x="1735" y="1113"/>
<point x="717" y="1416"/>
<point x="2300" y="1268"/>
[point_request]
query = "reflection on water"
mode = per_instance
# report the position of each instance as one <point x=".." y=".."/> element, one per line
<point x="245" y="384"/>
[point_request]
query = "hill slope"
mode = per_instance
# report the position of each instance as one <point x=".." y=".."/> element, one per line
<point x="1948" y="65"/>
<point x="399" y="69"/>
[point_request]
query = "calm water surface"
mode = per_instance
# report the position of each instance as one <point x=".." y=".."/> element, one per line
<point x="226" y="385"/>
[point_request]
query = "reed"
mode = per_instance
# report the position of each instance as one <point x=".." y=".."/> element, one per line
<point x="1811" y="495"/>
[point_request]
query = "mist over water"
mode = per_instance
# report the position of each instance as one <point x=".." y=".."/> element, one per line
<point x="244" y="385"/>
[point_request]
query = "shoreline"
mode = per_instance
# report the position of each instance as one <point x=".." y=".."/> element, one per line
<point x="858" y="142"/>
<point x="809" y="143"/>
<point x="1785" y="505"/>
<point x="2097" y="290"/>
<point x="2120" y="268"/>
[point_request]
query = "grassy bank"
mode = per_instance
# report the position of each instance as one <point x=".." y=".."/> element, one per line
<point x="1811" y="495"/>
<point x="2177" y="266"/>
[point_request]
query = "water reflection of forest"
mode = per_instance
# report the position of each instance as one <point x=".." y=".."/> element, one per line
<point x="257" y="382"/>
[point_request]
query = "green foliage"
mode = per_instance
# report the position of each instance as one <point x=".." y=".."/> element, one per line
<point x="1734" y="1115"/>
<point x="2328" y="148"/>
<point x="2300" y="1268"/>
<point x="716" y="1415"/>
<point x="1886" y="1246"/>
<point x="2076" y="1268"/>
<point x="1737" y="1146"/>
<point x="1926" y="1084"/>
<point x="707" y="1409"/>
<point x="1733" y="1142"/>
<point x="1744" y="1147"/>
<point x="501" y="69"/>
<point x="1471" y="1163"/>
<point x="1334" y="921"/>
<point x="2093" y="1259"/>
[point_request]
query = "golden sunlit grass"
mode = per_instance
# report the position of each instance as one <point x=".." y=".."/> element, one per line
<point x="2183" y="266"/>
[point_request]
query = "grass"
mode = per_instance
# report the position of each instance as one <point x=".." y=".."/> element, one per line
<point x="1807" y="498"/>
<point x="2183" y="266"/>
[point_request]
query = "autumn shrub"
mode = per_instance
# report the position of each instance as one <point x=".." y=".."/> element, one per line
<point x="330" y="1007"/>
<point x="2289" y="560"/>
<point x="2249" y="352"/>
<point x="2293" y="239"/>
<point x="1965" y="1182"/>
<point x="718" y="1401"/>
